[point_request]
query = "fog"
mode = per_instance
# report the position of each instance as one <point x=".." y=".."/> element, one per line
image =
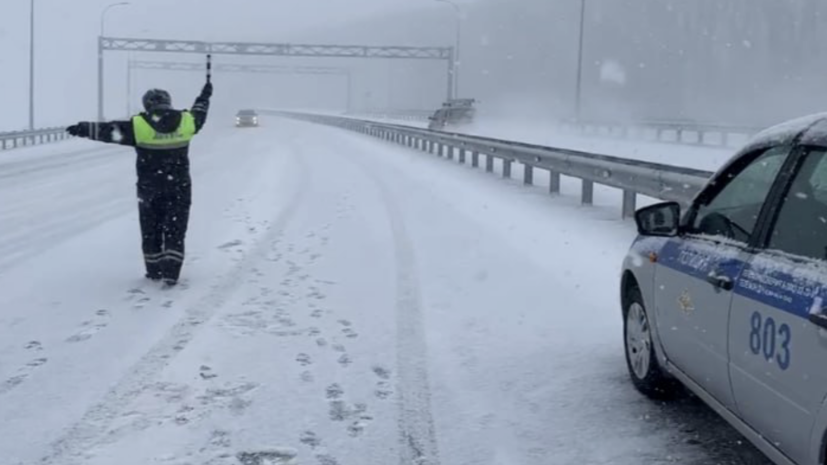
<point x="739" y="61"/>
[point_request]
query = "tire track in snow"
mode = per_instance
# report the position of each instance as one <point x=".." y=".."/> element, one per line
<point x="417" y="434"/>
<point x="84" y="435"/>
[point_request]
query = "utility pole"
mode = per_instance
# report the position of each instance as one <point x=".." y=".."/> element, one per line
<point x="31" y="69"/>
<point x="457" y="63"/>
<point x="100" y="57"/>
<point x="579" y="92"/>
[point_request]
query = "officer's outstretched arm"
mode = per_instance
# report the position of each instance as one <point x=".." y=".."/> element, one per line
<point x="201" y="107"/>
<point x="113" y="132"/>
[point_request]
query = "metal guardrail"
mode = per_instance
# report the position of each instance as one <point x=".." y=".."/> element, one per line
<point x="400" y="115"/>
<point x="675" y="132"/>
<point x="15" y="139"/>
<point x="633" y="177"/>
<point x="691" y="133"/>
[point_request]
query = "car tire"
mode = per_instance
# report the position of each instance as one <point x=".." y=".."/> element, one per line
<point x="641" y="359"/>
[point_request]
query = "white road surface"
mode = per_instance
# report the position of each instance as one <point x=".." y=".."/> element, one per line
<point x="344" y="302"/>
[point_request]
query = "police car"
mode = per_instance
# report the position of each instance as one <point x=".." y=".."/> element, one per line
<point x="728" y="296"/>
<point x="246" y="118"/>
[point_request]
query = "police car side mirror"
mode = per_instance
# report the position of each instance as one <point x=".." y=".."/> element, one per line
<point x="661" y="219"/>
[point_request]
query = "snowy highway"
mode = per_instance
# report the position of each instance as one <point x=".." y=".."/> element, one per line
<point x="344" y="302"/>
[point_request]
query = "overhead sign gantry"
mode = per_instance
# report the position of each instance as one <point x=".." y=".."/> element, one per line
<point x="271" y="49"/>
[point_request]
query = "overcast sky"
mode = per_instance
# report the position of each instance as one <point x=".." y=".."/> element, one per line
<point x="733" y="61"/>
<point x="66" y="32"/>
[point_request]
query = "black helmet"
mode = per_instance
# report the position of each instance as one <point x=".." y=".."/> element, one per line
<point x="157" y="99"/>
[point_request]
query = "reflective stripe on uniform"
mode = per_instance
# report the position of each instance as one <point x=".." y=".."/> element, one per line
<point x="147" y="137"/>
<point x="153" y="258"/>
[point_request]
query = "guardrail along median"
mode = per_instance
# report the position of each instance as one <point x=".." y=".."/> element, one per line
<point x="15" y="139"/>
<point x="632" y="177"/>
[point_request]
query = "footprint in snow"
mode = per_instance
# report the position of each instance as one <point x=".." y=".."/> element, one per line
<point x="275" y="456"/>
<point x="321" y="342"/>
<point x="338" y="347"/>
<point x="334" y="391"/>
<point x="22" y="374"/>
<point x="220" y="438"/>
<point x="206" y="372"/>
<point x="310" y="438"/>
<point x="90" y="327"/>
<point x="307" y="377"/>
<point x="345" y="360"/>
<point x="34" y="345"/>
<point x="327" y="459"/>
<point x="304" y="360"/>
<point x="350" y="333"/>
<point x="381" y="372"/>
<point x="383" y="387"/>
<point x="317" y="313"/>
<point x="383" y="390"/>
<point x="230" y="245"/>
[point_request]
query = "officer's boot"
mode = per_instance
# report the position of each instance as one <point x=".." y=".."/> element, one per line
<point x="153" y="269"/>
<point x="172" y="264"/>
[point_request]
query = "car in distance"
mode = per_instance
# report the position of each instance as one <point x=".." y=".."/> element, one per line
<point x="728" y="295"/>
<point x="246" y="119"/>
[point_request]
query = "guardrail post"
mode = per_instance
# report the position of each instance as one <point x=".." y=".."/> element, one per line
<point x="475" y="159"/>
<point x="461" y="155"/>
<point x="554" y="182"/>
<point x="528" y="175"/>
<point x="489" y="163"/>
<point x="450" y="152"/>
<point x="725" y="138"/>
<point x="629" y="203"/>
<point x="506" y="168"/>
<point x="588" y="193"/>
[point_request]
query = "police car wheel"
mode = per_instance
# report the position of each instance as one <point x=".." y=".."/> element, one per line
<point x="641" y="360"/>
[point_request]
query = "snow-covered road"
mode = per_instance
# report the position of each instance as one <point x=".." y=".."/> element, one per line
<point x="344" y="300"/>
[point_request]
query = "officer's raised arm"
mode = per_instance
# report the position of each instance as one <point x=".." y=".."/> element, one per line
<point x="112" y="132"/>
<point x="202" y="106"/>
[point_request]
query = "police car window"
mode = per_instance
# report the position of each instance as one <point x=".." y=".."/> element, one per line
<point x="801" y="226"/>
<point x="733" y="212"/>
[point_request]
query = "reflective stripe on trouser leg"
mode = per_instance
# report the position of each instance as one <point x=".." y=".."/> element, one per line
<point x="152" y="238"/>
<point x="175" y="232"/>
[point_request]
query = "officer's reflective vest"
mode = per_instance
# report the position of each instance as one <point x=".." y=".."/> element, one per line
<point x="148" y="138"/>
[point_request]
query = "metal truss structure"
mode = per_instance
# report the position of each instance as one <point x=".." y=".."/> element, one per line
<point x="266" y="49"/>
<point x="237" y="68"/>
<point x="241" y="68"/>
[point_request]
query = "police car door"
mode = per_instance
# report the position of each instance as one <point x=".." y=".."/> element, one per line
<point x="697" y="270"/>
<point x="778" y="355"/>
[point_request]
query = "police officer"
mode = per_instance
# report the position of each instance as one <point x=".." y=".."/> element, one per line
<point x="161" y="136"/>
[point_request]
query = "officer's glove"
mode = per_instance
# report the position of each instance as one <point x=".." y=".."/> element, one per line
<point x="79" y="130"/>
<point x="206" y="92"/>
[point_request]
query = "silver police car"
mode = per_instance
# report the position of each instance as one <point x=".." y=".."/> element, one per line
<point x="728" y="295"/>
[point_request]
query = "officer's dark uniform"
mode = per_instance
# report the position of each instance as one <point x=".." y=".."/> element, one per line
<point x="161" y="137"/>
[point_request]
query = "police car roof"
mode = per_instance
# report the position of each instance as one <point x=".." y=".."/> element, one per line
<point x="811" y="128"/>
